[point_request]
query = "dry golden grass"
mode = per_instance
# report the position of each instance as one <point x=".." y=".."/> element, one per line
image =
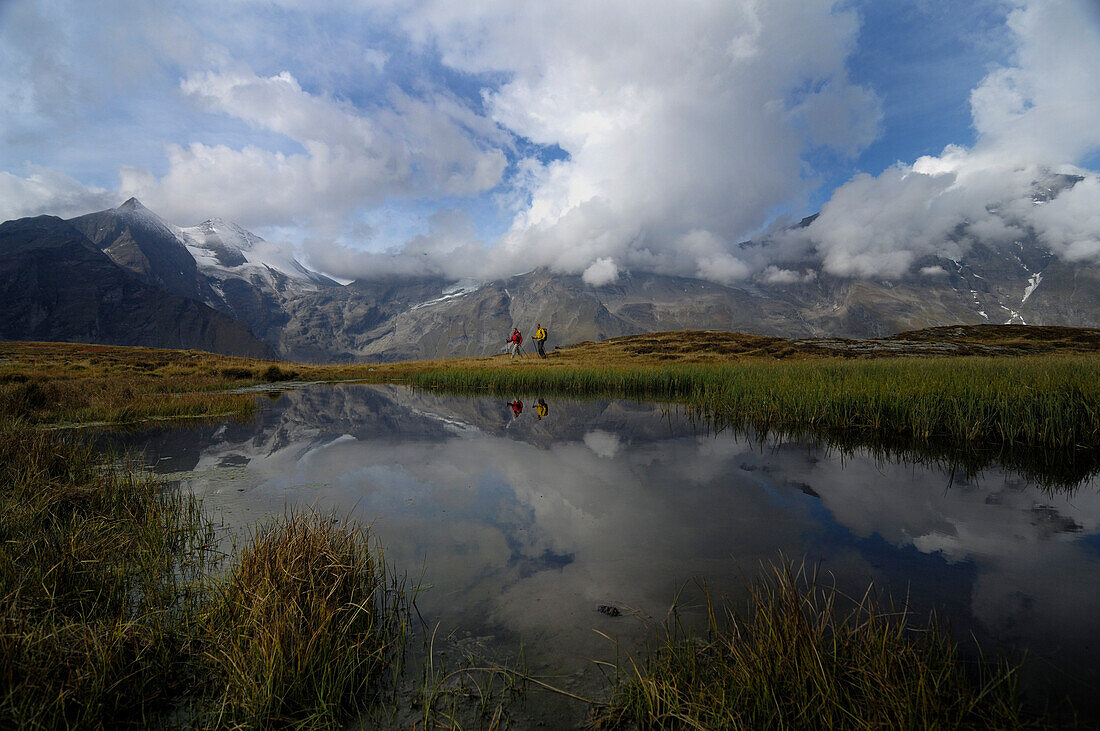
<point x="80" y="383"/>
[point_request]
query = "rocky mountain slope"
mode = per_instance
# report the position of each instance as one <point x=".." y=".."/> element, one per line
<point x="57" y="284"/>
<point x="302" y="315"/>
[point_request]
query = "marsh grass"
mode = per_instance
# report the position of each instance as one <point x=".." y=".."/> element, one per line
<point x="303" y="627"/>
<point x="98" y="594"/>
<point x="1042" y="390"/>
<point x="116" y="609"/>
<point x="1041" y="413"/>
<point x="803" y="655"/>
<point x="466" y="687"/>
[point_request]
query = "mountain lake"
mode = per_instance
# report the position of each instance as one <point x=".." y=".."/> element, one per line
<point x="553" y="536"/>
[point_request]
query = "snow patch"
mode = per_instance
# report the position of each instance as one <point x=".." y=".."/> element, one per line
<point x="224" y="250"/>
<point x="1032" y="283"/>
<point x="461" y="289"/>
<point x="1014" y="317"/>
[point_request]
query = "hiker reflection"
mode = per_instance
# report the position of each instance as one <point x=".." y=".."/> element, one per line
<point x="517" y="408"/>
<point x="540" y="409"/>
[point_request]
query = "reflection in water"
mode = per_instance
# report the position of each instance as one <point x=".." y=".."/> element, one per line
<point x="527" y="526"/>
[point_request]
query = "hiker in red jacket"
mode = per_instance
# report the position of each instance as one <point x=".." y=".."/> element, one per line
<point x="516" y="340"/>
<point x="517" y="408"/>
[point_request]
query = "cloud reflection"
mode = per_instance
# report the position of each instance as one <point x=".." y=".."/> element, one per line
<point x="527" y="526"/>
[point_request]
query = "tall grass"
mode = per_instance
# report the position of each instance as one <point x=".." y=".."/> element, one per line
<point x="98" y="601"/>
<point x="301" y="630"/>
<point x="116" y="611"/>
<point x="798" y="658"/>
<point x="1051" y="401"/>
<point x="114" y="400"/>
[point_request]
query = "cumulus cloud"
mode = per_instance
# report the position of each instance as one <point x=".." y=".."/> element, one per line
<point x="600" y="138"/>
<point x="600" y="272"/>
<point x="933" y="271"/>
<point x="777" y="275"/>
<point x="450" y="248"/>
<point x="1034" y="119"/>
<point x="604" y="444"/>
<point x="49" y="192"/>
<point x="676" y="124"/>
<point x="350" y="157"/>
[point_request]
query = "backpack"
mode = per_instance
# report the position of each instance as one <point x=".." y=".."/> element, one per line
<point x="519" y="338"/>
<point x="541" y="334"/>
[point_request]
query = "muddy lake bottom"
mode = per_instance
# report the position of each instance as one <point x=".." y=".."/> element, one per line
<point x="525" y="529"/>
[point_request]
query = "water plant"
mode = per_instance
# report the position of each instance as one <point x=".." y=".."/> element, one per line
<point x="1042" y="401"/>
<point x="98" y="586"/>
<point x="804" y="655"/>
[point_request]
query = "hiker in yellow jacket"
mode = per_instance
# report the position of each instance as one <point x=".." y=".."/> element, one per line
<point x="540" y="339"/>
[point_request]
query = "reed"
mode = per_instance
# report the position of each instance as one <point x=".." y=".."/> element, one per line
<point x="301" y="629"/>
<point x="97" y="596"/>
<point x="1047" y="401"/>
<point x="798" y="659"/>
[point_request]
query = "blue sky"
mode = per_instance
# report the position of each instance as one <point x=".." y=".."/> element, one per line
<point x="493" y="136"/>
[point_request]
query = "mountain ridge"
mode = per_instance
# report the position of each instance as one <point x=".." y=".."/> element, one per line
<point x="304" y="315"/>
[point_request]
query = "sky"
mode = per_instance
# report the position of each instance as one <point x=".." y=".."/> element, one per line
<point x="491" y="137"/>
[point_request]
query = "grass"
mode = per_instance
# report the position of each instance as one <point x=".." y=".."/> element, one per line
<point x="1038" y="413"/>
<point x="1048" y="401"/>
<point x="114" y="611"/>
<point x="797" y="658"/>
<point x="300" y="631"/>
<point x="1033" y="388"/>
<point x="97" y="596"/>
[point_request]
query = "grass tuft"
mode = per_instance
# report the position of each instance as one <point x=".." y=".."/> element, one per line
<point x="97" y="600"/>
<point x="797" y="658"/>
<point x="115" y="609"/>
<point x="298" y="635"/>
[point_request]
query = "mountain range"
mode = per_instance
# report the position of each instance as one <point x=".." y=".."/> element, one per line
<point x="124" y="276"/>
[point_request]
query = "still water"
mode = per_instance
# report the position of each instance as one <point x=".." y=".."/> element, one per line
<point x="524" y="524"/>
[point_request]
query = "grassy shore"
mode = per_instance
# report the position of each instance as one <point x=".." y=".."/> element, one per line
<point x="1043" y="392"/>
<point x="114" y="611"/>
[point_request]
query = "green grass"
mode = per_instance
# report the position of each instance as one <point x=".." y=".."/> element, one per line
<point x="115" y="611"/>
<point x="301" y="630"/>
<point x="1041" y="401"/>
<point x="97" y="586"/>
<point x="797" y="658"/>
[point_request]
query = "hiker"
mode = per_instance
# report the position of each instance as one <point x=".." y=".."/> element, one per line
<point x="517" y="408"/>
<point x="540" y="409"/>
<point x="516" y="340"/>
<point x="540" y="339"/>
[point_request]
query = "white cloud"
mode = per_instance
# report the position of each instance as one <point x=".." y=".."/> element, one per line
<point x="1033" y="119"/>
<point x="351" y="157"/>
<point x="603" y="444"/>
<point x="600" y="272"/>
<point x="49" y="192"/>
<point x="450" y="248"/>
<point x="674" y="121"/>
<point x="684" y="133"/>
<point x="776" y="275"/>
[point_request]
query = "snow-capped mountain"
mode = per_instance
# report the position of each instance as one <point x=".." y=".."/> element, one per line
<point x="223" y="250"/>
<point x="303" y="315"/>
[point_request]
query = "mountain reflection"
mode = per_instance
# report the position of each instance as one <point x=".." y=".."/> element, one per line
<point x="526" y="525"/>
